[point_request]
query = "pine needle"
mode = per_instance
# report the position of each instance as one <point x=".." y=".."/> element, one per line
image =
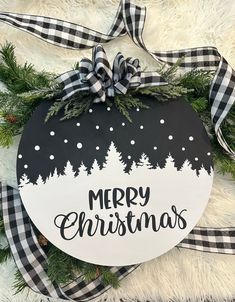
<point x="5" y="254"/>
<point x="19" y="283"/>
<point x="125" y="103"/>
<point x="2" y="229"/>
<point x="20" y="78"/>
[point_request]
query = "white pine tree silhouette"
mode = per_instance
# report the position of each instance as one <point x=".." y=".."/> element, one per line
<point x="24" y="180"/>
<point x="144" y="162"/>
<point x="55" y="173"/>
<point x="186" y="165"/>
<point x="40" y="180"/>
<point x="186" y="169"/>
<point x="82" y="170"/>
<point x="169" y="162"/>
<point x="68" y="169"/>
<point x="202" y="172"/>
<point x="95" y="169"/>
<point x="113" y="161"/>
<point x="133" y="167"/>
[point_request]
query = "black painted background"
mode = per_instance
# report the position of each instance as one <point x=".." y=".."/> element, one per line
<point x="180" y="122"/>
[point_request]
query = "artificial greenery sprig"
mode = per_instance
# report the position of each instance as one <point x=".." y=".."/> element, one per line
<point x="63" y="268"/>
<point x="21" y="78"/>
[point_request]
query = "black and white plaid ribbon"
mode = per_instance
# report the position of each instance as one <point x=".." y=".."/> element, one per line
<point x="32" y="261"/>
<point x="130" y="20"/>
<point x="99" y="78"/>
<point x="29" y="256"/>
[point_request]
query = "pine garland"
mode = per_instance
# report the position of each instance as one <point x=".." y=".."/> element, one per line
<point x="63" y="268"/>
<point x="27" y="88"/>
<point x="19" y="78"/>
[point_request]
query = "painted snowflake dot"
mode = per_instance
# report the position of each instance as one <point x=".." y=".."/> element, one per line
<point x="51" y="157"/>
<point x="79" y="145"/>
<point x="97" y="148"/>
<point x="108" y="108"/>
<point x="141" y="127"/>
<point x="123" y="124"/>
<point x="170" y="137"/>
<point x="90" y="110"/>
<point x="196" y="158"/>
<point x="132" y="142"/>
<point x="137" y="109"/>
<point x="37" y="148"/>
<point x="52" y="133"/>
<point x="20" y="156"/>
<point x="25" y="166"/>
<point x="208" y="153"/>
<point x="65" y="141"/>
<point x="111" y="129"/>
<point x="155" y="148"/>
<point x="78" y="124"/>
<point x="162" y="121"/>
<point x="97" y="127"/>
<point x="191" y="138"/>
<point x="183" y="148"/>
<point x="129" y="157"/>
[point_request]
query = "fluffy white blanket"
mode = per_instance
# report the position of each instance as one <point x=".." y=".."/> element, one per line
<point x="178" y="275"/>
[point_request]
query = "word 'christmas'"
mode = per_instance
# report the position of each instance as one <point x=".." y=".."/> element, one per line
<point x="113" y="198"/>
<point x="77" y="224"/>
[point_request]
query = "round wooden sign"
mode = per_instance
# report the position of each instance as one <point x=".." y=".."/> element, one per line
<point x="111" y="192"/>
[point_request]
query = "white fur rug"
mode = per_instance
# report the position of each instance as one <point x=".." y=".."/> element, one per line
<point x="178" y="275"/>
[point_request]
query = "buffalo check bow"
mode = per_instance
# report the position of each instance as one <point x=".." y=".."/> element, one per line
<point x="130" y="19"/>
<point x="99" y="78"/>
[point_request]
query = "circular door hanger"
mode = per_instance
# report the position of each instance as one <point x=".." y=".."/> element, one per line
<point x="111" y="192"/>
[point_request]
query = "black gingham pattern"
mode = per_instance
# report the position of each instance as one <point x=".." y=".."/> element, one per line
<point x="211" y="240"/>
<point x="99" y="78"/>
<point x="31" y="260"/>
<point x="130" y="20"/>
<point x="27" y="253"/>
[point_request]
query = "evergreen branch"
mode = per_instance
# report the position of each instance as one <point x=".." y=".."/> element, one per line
<point x="5" y="254"/>
<point x="125" y="103"/>
<point x="223" y="162"/>
<point x="90" y="271"/>
<point x="20" y="78"/>
<point x="200" y="105"/>
<point x="15" y="111"/>
<point x="55" y="108"/>
<point x="198" y="81"/>
<point x="72" y="108"/>
<point x="7" y="132"/>
<point x="19" y="283"/>
<point x="61" y="267"/>
<point x="170" y="73"/>
<point x="2" y="229"/>
<point x="109" y="278"/>
<point x="76" y="107"/>
<point x="164" y="93"/>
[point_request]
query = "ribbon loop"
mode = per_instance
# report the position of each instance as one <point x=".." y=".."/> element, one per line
<point x="99" y="78"/>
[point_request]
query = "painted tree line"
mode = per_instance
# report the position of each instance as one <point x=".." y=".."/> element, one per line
<point x="114" y="165"/>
